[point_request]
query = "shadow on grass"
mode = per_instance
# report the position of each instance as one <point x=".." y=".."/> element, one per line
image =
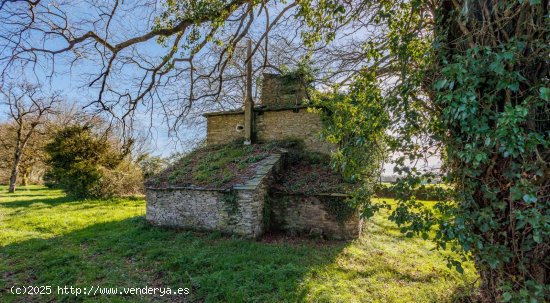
<point x="18" y="189"/>
<point x="53" y="201"/>
<point x="131" y="253"/>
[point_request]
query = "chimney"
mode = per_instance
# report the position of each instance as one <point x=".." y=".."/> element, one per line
<point x="279" y="91"/>
<point x="248" y="102"/>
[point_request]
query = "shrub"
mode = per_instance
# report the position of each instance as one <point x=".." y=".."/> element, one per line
<point x="89" y="166"/>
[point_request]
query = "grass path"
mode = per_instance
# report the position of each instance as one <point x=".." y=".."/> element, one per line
<point x="47" y="238"/>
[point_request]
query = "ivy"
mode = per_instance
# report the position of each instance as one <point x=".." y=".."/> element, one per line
<point x="230" y="201"/>
<point x="471" y="86"/>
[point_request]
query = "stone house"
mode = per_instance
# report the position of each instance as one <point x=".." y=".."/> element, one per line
<point x="253" y="206"/>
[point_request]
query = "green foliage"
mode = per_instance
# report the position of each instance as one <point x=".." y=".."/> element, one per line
<point x="86" y="165"/>
<point x="151" y="165"/>
<point x="231" y="201"/>
<point x="356" y="123"/>
<point x="489" y="100"/>
<point x="431" y="192"/>
<point x="471" y="83"/>
<point x="301" y="74"/>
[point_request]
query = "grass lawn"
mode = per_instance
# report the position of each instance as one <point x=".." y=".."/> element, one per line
<point x="47" y="238"/>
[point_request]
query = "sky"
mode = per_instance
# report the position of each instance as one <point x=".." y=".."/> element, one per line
<point x="163" y="134"/>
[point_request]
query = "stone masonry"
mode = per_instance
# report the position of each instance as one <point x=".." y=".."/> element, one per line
<point x="280" y="116"/>
<point x="307" y="214"/>
<point x="277" y="93"/>
<point x="242" y="209"/>
<point x="270" y="125"/>
<point x="239" y="210"/>
<point x="245" y="209"/>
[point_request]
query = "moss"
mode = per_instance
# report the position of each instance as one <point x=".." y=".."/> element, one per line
<point x="267" y="212"/>
<point x="338" y="208"/>
<point x="310" y="173"/>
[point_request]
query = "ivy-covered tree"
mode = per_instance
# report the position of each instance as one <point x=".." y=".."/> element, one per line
<point x="491" y="89"/>
<point x="469" y="82"/>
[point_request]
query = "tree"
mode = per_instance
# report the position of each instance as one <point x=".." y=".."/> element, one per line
<point x="28" y="108"/>
<point x="89" y="164"/>
<point x="32" y="166"/>
<point x="151" y="165"/>
<point x="179" y="73"/>
<point x="469" y="81"/>
<point x="492" y="85"/>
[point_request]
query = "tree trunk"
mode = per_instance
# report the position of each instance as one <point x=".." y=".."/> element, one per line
<point x="15" y="167"/>
<point x="14" y="172"/>
<point x="24" y="176"/>
<point x="490" y="25"/>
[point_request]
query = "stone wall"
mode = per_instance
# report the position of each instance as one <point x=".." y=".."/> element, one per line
<point x="237" y="211"/>
<point x="270" y="125"/>
<point x="185" y="207"/>
<point x="292" y="124"/>
<point x="246" y="209"/>
<point x="310" y="215"/>
<point x="224" y="128"/>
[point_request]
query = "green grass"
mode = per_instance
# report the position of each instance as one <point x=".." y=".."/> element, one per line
<point x="47" y="238"/>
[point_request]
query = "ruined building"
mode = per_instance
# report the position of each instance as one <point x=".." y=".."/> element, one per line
<point x="261" y="188"/>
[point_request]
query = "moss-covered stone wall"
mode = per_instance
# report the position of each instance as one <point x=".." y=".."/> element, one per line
<point x="237" y="211"/>
<point x="317" y="215"/>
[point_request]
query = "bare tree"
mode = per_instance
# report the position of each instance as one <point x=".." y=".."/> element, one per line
<point x="137" y="53"/>
<point x="28" y="107"/>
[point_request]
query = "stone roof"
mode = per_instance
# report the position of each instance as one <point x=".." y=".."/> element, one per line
<point x="261" y="108"/>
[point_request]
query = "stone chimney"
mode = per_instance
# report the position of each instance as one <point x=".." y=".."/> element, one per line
<point x="281" y="91"/>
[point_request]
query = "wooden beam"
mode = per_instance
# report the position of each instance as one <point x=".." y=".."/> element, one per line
<point x="248" y="103"/>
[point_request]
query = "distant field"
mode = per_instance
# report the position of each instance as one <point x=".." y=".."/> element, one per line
<point x="47" y="238"/>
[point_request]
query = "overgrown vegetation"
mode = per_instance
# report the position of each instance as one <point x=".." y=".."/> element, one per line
<point x="108" y="243"/>
<point x="469" y="83"/>
<point x="356" y="123"/>
<point x="308" y="172"/>
<point x="230" y="200"/>
<point x="85" y="164"/>
<point x="465" y="80"/>
<point x="337" y="207"/>
<point x="219" y="166"/>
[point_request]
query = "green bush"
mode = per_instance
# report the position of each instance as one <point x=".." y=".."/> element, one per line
<point x="86" y="165"/>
